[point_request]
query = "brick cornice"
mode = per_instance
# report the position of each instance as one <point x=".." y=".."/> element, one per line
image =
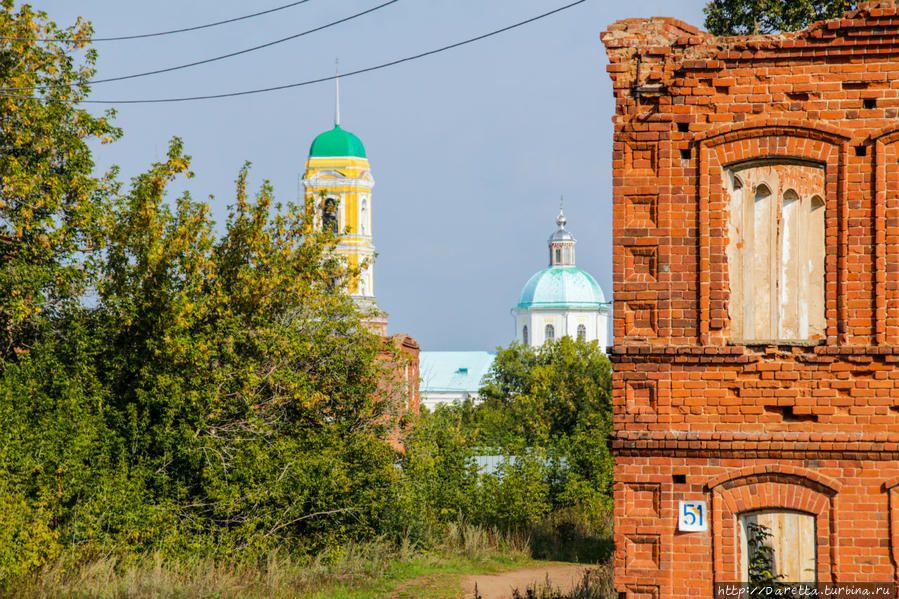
<point x="777" y="445"/>
<point x="744" y="354"/>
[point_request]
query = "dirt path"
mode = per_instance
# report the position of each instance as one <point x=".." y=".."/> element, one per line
<point x="501" y="584"/>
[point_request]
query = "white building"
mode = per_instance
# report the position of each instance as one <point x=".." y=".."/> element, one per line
<point x="561" y="299"/>
<point x="452" y="376"/>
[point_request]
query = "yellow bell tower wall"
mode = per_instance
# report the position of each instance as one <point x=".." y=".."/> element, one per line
<point x="348" y="182"/>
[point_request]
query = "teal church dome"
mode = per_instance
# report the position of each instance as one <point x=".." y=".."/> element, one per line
<point x="562" y="287"/>
<point x="337" y="142"/>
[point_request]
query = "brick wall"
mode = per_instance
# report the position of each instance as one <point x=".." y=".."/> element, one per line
<point x="811" y="425"/>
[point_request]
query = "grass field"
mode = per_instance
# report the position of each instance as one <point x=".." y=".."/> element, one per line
<point x="376" y="570"/>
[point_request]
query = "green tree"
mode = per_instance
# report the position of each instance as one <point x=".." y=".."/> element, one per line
<point x="750" y="17"/>
<point x="548" y="410"/>
<point x="162" y="386"/>
<point x="52" y="207"/>
<point x="532" y="395"/>
<point x="440" y="478"/>
<point x="218" y="395"/>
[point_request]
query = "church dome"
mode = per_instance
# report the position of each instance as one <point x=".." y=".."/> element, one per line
<point x="337" y="142"/>
<point x="561" y="287"/>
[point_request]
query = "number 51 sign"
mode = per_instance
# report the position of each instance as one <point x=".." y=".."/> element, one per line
<point x="693" y="516"/>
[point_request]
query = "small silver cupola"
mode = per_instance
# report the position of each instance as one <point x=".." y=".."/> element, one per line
<point x="561" y="243"/>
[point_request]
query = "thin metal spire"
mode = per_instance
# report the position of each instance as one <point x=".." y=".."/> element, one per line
<point x="337" y="92"/>
<point x="561" y="220"/>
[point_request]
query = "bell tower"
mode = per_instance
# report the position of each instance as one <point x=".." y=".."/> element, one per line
<point x="338" y="184"/>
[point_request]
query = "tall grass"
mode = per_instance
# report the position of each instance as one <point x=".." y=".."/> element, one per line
<point x="152" y="576"/>
<point x="476" y="542"/>
<point x="564" y="536"/>
<point x="597" y="583"/>
<point x="274" y="577"/>
<point x="573" y="535"/>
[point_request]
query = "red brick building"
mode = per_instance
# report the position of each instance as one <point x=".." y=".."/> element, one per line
<point x="756" y="273"/>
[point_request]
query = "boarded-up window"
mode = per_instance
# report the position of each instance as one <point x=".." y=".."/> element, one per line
<point x="792" y="541"/>
<point x="776" y="251"/>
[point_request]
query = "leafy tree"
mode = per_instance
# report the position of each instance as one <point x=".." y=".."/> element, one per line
<point x="548" y="411"/>
<point x="220" y="394"/>
<point x="440" y="478"/>
<point x="750" y="17"/>
<point x="532" y="395"/>
<point x="52" y="207"/>
<point x="161" y="386"/>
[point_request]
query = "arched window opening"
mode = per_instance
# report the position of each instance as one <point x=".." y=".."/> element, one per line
<point x="524" y="334"/>
<point x="776" y="251"/>
<point x="581" y="332"/>
<point x="363" y="288"/>
<point x="558" y="255"/>
<point x="549" y="333"/>
<point x="329" y="216"/>
<point x="363" y="217"/>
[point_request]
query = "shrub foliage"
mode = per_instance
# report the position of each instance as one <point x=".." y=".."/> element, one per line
<point x="171" y="387"/>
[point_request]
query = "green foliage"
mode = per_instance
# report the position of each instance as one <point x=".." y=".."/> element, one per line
<point x="545" y="415"/>
<point x="52" y="208"/>
<point x="532" y="395"/>
<point x="761" y="556"/>
<point x="750" y="17"/>
<point x="556" y="397"/>
<point x="440" y="480"/>
<point x="169" y="390"/>
<point x="218" y="395"/>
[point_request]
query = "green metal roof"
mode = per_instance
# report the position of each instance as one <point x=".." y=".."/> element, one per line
<point x="561" y="287"/>
<point x="337" y="142"/>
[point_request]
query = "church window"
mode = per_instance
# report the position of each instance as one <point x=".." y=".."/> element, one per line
<point x="581" y="332"/>
<point x="329" y="216"/>
<point x="524" y="334"/>
<point x="550" y="332"/>
<point x="363" y="217"/>
<point x="363" y="288"/>
<point x="776" y="252"/>
<point x="558" y="256"/>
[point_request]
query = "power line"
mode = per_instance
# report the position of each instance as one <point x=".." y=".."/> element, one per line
<point x="321" y="79"/>
<point x="157" y="34"/>
<point x="207" y="60"/>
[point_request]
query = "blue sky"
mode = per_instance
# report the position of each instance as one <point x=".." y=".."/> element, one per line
<point x="470" y="149"/>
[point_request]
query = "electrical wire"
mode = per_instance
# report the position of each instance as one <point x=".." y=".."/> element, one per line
<point x="208" y="60"/>
<point x="157" y="34"/>
<point x="313" y="81"/>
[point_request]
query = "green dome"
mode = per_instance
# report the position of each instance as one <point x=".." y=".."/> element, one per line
<point x="562" y="287"/>
<point x="337" y="142"/>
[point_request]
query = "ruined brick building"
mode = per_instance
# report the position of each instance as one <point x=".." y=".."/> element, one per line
<point x="756" y="274"/>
